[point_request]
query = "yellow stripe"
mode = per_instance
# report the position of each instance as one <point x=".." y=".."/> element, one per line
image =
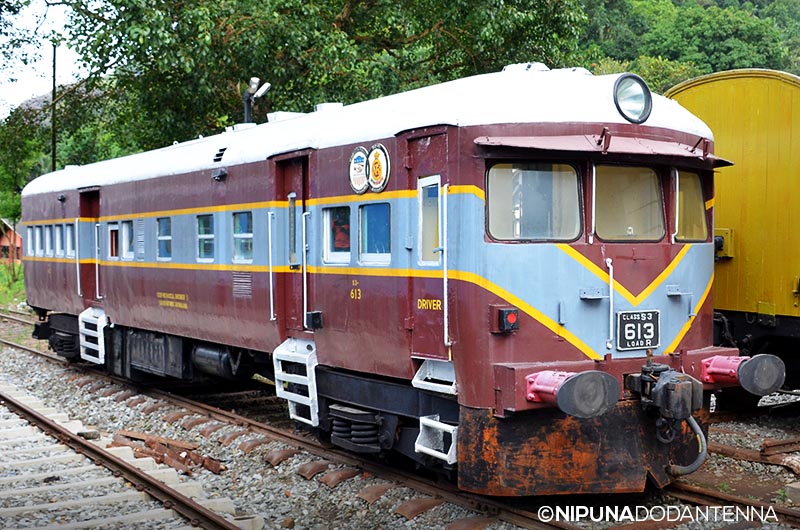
<point x="710" y="203"/>
<point x="537" y="315"/>
<point x="341" y="199"/>
<point x="468" y="189"/>
<point x="468" y="277"/>
<point x="685" y="329"/>
<point x="634" y="300"/>
<point x="199" y="210"/>
<point x="61" y="221"/>
<point x="464" y="276"/>
<point x="386" y="195"/>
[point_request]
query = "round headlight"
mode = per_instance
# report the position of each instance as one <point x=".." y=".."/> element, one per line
<point x="632" y="98"/>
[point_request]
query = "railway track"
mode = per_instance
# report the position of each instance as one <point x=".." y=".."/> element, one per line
<point x="53" y="476"/>
<point x="324" y="459"/>
<point x="255" y="433"/>
<point x="17" y="316"/>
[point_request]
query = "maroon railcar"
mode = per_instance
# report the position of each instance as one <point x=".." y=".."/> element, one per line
<point x="507" y="275"/>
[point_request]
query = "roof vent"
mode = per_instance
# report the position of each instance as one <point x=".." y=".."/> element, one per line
<point x="283" y="115"/>
<point x="323" y="107"/>
<point x="220" y="154"/>
<point x="526" y="67"/>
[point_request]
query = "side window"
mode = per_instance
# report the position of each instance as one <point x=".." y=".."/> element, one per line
<point x="126" y="242"/>
<point x="69" y="239"/>
<point x="39" y="241"/>
<point x="429" y="201"/>
<point x="243" y="237"/>
<point x="691" y="219"/>
<point x="205" y="238"/>
<point x="29" y="240"/>
<point x="113" y="240"/>
<point x="374" y="233"/>
<point x="164" y="237"/>
<point x="337" y="234"/>
<point x="59" y="236"/>
<point x="48" y="240"/>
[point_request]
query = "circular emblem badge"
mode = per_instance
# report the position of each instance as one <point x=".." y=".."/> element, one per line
<point x="377" y="168"/>
<point x="358" y="170"/>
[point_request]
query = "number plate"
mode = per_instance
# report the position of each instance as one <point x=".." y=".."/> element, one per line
<point x="638" y="330"/>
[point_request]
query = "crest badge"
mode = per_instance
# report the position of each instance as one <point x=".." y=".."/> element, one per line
<point x="358" y="170"/>
<point x="377" y="168"/>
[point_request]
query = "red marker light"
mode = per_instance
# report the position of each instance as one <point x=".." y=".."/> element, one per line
<point x="507" y="319"/>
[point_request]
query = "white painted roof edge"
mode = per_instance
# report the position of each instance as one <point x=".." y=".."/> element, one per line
<point x="515" y="95"/>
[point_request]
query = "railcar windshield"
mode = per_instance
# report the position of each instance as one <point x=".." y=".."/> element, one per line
<point x="628" y="204"/>
<point x="533" y="201"/>
<point x="692" y="220"/>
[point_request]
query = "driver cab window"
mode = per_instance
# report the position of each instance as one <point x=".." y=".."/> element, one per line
<point x="533" y="201"/>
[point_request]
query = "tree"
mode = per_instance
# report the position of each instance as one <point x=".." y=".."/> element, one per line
<point x="22" y="152"/>
<point x="183" y="65"/>
<point x="711" y="38"/>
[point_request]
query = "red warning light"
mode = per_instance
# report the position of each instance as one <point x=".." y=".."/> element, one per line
<point x="507" y="319"/>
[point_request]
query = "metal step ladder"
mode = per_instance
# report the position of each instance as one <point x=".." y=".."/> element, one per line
<point x="431" y="441"/>
<point x="436" y="376"/>
<point x="91" y="327"/>
<point x="295" y="361"/>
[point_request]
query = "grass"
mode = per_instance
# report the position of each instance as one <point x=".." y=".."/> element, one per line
<point x="11" y="292"/>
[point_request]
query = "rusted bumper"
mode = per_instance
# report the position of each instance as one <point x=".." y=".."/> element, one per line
<point x="545" y="452"/>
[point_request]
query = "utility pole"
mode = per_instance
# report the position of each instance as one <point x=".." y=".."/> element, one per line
<point x="53" y="113"/>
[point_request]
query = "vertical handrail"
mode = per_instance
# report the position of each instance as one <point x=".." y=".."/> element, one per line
<point x="610" y="341"/>
<point x="445" y="278"/>
<point x="98" y="296"/>
<point x="76" y="233"/>
<point x="272" y="317"/>
<point x="594" y="205"/>
<point x="304" y="225"/>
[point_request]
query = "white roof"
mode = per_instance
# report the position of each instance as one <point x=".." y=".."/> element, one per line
<point x="518" y="94"/>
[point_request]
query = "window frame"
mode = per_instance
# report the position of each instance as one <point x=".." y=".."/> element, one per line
<point x="579" y="206"/>
<point x="126" y="242"/>
<point x="679" y="208"/>
<point x="243" y="236"/>
<point x="205" y="237"/>
<point x="30" y="241"/>
<point x="160" y="237"/>
<point x="58" y="236"/>
<point x="39" y="239"/>
<point x="49" y="249"/>
<point x="69" y="240"/>
<point x="658" y="171"/>
<point x="330" y="255"/>
<point x="374" y="258"/>
<point x="113" y="248"/>
<point x="422" y="184"/>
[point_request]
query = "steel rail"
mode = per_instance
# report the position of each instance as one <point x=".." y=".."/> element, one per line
<point x="20" y="320"/>
<point x="697" y="495"/>
<point x="490" y="507"/>
<point x="197" y="515"/>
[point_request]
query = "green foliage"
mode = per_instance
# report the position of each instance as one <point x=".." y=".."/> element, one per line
<point x="182" y="66"/>
<point x="711" y="38"/>
<point x="660" y="73"/>
<point x="21" y="148"/>
<point x="12" y="284"/>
